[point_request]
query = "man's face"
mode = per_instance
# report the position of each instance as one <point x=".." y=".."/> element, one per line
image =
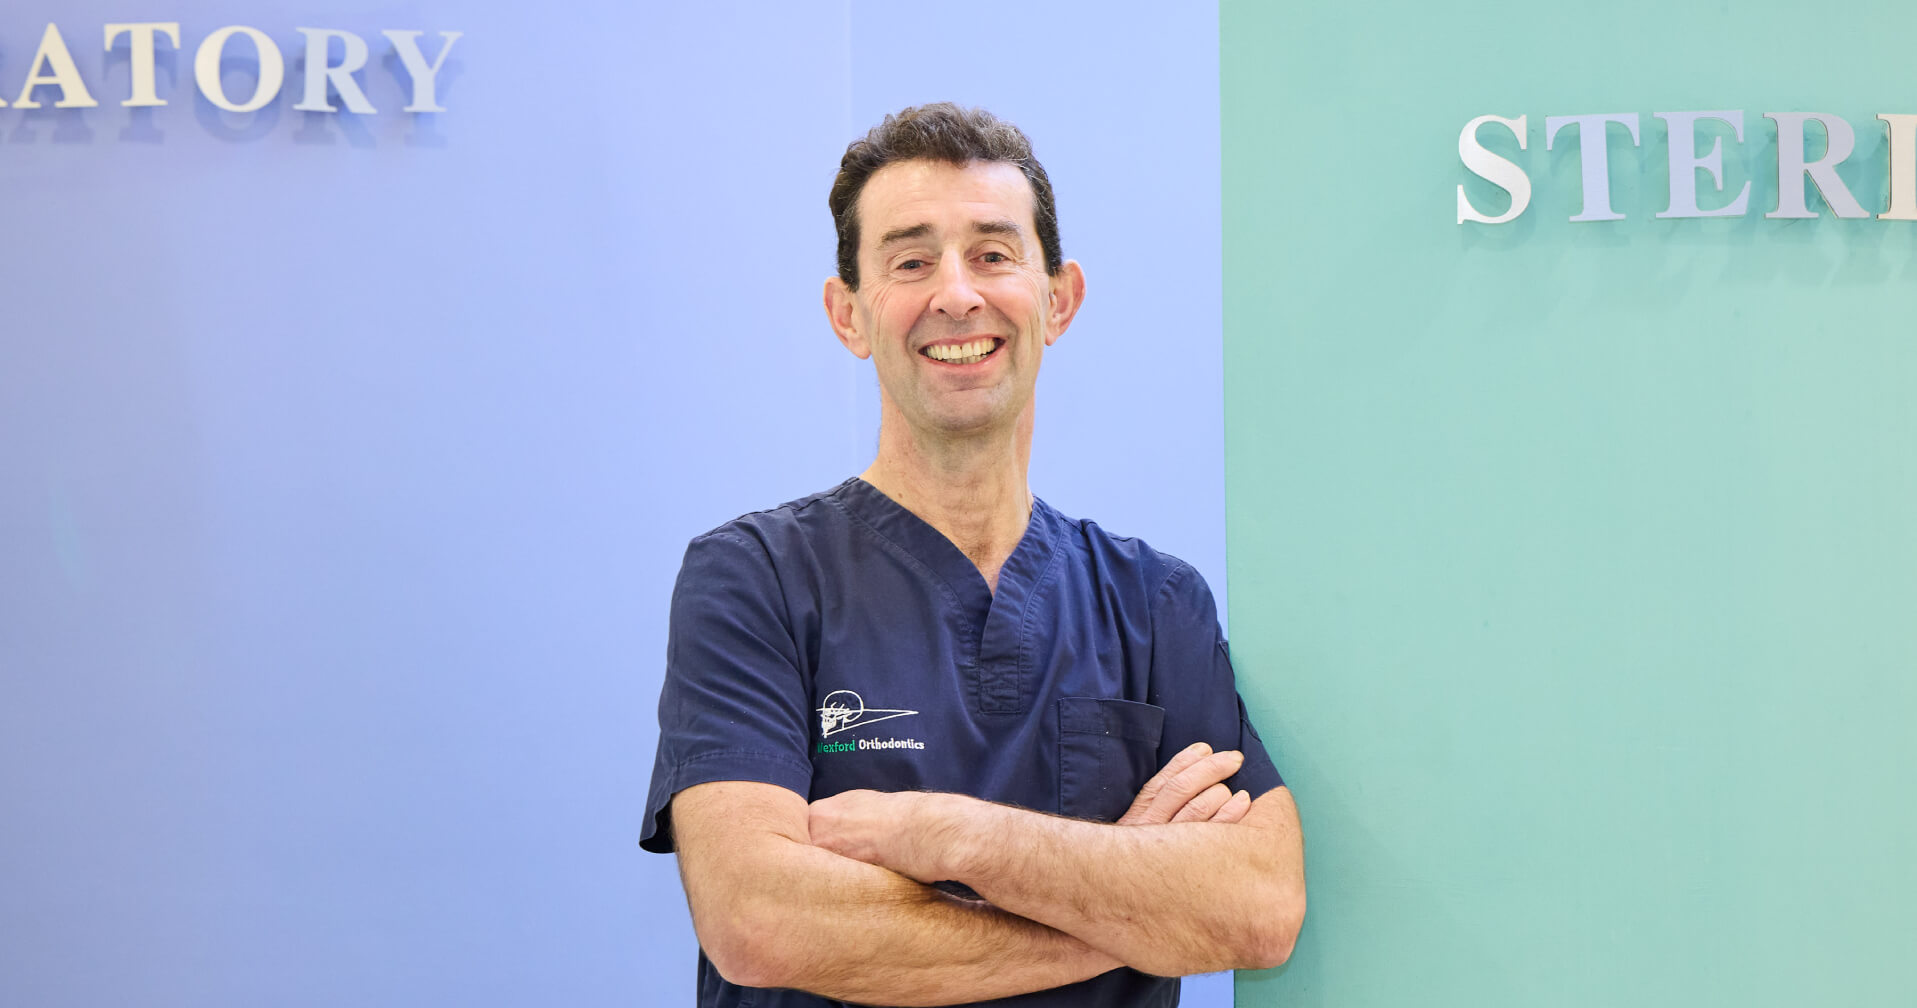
<point x="954" y="305"/>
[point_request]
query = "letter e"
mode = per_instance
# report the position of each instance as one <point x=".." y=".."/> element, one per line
<point x="1680" y="129"/>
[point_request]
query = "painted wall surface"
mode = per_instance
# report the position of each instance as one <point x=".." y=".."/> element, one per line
<point x="1573" y="564"/>
<point x="348" y="460"/>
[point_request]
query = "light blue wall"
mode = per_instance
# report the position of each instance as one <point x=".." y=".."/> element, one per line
<point x="347" y="461"/>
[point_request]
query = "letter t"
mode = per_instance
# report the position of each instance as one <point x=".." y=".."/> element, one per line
<point x="1594" y="154"/>
<point x="144" y="93"/>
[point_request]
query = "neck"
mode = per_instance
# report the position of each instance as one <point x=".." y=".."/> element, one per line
<point x="972" y="489"/>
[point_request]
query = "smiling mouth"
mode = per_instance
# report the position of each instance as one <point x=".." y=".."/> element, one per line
<point x="969" y="352"/>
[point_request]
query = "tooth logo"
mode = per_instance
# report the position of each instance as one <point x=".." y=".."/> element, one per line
<point x="845" y="709"/>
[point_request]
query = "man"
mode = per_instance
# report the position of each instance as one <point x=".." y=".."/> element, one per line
<point x="925" y="740"/>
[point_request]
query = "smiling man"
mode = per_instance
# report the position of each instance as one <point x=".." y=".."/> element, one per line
<point x="925" y="740"/>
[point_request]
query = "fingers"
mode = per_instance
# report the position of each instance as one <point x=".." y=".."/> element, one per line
<point x="1233" y="810"/>
<point x="1180" y="763"/>
<point x="1204" y="804"/>
<point x="1215" y="804"/>
<point x="1180" y="783"/>
<point x="1193" y="781"/>
<point x="1142" y="805"/>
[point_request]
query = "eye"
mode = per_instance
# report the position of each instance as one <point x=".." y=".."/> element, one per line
<point x="995" y="258"/>
<point x="910" y="264"/>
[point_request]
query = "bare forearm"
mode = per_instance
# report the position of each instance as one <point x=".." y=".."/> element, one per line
<point x="815" y="921"/>
<point x="1168" y="899"/>
<point x="1171" y="899"/>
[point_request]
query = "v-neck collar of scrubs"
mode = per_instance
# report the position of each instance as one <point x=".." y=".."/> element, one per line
<point x="997" y="624"/>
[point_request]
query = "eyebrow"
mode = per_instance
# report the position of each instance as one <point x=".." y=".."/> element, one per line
<point x="903" y="234"/>
<point x="990" y="227"/>
<point x="998" y="227"/>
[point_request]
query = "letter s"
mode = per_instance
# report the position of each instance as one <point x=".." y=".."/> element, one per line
<point x="1493" y="169"/>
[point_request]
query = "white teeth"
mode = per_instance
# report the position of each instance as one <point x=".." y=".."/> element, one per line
<point x="961" y="353"/>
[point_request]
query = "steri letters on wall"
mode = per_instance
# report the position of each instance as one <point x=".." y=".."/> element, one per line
<point x="1696" y="179"/>
<point x="326" y="60"/>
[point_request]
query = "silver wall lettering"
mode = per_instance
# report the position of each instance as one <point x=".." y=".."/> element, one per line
<point x="1791" y="166"/>
<point x="1594" y="157"/>
<point x="1681" y="131"/>
<point x="1496" y="170"/>
<point x="53" y="66"/>
<point x="1903" y="166"/>
<point x="206" y="69"/>
<point x="406" y="44"/>
<point x="145" y="93"/>
<point x="340" y="76"/>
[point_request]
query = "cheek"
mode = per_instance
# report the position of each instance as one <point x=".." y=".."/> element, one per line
<point x="885" y="306"/>
<point x="1040" y="287"/>
<point x="1015" y="295"/>
<point x="1036" y="291"/>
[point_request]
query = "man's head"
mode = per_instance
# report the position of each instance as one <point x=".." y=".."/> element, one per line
<point x="941" y="132"/>
<point x="959" y="284"/>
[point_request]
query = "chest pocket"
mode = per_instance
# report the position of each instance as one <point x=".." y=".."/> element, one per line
<point x="1107" y="750"/>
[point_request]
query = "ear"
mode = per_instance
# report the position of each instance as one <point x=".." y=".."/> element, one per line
<point x="1068" y="292"/>
<point x="842" y="310"/>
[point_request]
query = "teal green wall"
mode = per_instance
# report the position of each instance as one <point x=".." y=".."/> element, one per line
<point x="1573" y="567"/>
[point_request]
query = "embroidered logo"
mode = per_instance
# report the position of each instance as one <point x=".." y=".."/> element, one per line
<point x="844" y="709"/>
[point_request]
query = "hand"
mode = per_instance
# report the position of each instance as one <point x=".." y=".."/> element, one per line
<point x="874" y="827"/>
<point x="1191" y="788"/>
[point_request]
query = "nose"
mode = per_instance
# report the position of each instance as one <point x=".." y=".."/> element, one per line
<point x="955" y="297"/>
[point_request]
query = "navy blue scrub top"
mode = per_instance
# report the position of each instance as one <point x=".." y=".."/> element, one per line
<point x="840" y="642"/>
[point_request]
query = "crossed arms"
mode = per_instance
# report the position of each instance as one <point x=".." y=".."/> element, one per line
<point x="834" y="897"/>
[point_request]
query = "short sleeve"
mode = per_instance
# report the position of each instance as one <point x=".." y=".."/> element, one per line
<point x="734" y="705"/>
<point x="1192" y="679"/>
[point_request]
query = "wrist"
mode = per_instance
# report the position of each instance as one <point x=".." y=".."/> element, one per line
<point x="959" y="827"/>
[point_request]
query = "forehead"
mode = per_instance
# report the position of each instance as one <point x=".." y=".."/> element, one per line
<point x="944" y="197"/>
